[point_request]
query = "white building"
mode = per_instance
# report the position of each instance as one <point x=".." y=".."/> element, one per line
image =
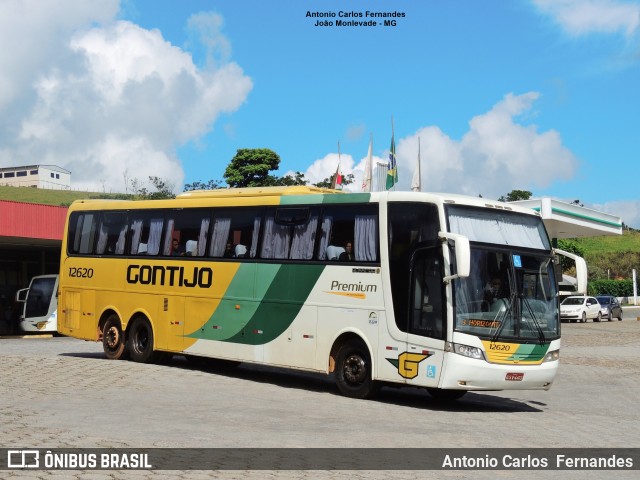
<point x="37" y="176"/>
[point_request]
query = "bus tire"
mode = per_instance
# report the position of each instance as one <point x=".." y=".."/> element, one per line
<point x="446" y="396"/>
<point x="353" y="370"/>
<point x="113" y="340"/>
<point x="140" y="341"/>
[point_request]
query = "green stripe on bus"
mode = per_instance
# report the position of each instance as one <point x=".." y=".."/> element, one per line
<point x="261" y="302"/>
<point x="280" y="306"/>
<point x="530" y="352"/>
<point x="325" y="199"/>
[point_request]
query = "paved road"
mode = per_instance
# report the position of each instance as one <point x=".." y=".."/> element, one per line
<point x="62" y="392"/>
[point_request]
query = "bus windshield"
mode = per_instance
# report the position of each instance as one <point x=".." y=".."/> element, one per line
<point x="511" y="293"/>
<point x="508" y="296"/>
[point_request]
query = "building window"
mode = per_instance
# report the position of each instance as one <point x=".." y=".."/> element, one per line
<point x="57" y="175"/>
<point x="9" y="175"/>
<point x="23" y="173"/>
<point x="52" y="176"/>
<point x="33" y="172"/>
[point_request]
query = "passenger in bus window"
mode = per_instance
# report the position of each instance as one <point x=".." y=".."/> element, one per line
<point x="228" y="251"/>
<point x="347" y="255"/>
<point x="177" y="250"/>
<point x="241" y="251"/>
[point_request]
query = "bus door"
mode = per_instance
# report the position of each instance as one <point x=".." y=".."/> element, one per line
<point x="426" y="329"/>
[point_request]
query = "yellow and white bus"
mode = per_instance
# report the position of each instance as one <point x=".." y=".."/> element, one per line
<point x="440" y="291"/>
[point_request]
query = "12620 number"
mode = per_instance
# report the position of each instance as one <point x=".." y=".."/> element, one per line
<point x="80" y="272"/>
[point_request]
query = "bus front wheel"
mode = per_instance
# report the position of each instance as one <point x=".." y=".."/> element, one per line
<point x="113" y="342"/>
<point x="353" y="370"/>
<point x="140" y="341"/>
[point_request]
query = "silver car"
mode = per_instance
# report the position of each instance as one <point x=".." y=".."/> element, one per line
<point x="580" y="308"/>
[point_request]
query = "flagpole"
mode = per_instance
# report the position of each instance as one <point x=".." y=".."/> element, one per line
<point x="392" y="169"/>
<point x="416" y="183"/>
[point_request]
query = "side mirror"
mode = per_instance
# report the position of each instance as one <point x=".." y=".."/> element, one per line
<point x="463" y="255"/>
<point x="581" y="269"/>
<point x="21" y="295"/>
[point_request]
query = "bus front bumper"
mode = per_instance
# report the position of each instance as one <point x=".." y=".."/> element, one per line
<point x="463" y="373"/>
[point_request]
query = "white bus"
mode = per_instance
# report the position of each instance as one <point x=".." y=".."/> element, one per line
<point x="445" y="292"/>
<point x="40" y="309"/>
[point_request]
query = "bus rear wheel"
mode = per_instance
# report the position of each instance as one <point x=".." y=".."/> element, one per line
<point x="113" y="341"/>
<point x="353" y="371"/>
<point x="140" y="341"/>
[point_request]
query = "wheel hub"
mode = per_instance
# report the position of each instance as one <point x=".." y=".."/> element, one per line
<point x="354" y="369"/>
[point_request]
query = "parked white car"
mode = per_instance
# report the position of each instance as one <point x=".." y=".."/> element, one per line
<point x="580" y="308"/>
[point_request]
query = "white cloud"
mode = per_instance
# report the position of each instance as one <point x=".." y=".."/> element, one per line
<point x="106" y="97"/>
<point x="496" y="155"/>
<point x="580" y="17"/>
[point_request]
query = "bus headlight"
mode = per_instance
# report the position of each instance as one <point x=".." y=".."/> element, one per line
<point x="467" y="351"/>
<point x="552" y="356"/>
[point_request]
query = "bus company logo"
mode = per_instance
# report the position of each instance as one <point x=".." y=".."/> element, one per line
<point x="408" y="363"/>
<point x="352" y="290"/>
<point x="171" y="276"/>
<point x="23" y="458"/>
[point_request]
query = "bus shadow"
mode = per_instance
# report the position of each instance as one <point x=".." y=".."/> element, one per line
<point x="409" y="397"/>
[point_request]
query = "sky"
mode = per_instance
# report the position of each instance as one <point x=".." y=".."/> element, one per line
<point x="537" y="95"/>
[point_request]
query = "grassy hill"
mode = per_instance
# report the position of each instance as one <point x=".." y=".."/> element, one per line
<point x="48" y="197"/>
<point x="612" y="256"/>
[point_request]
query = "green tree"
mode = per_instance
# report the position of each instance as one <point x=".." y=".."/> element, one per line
<point x="291" y="180"/>
<point x="515" y="195"/>
<point x="163" y="189"/>
<point x="326" y="183"/>
<point x="210" y="185"/>
<point x="250" y="168"/>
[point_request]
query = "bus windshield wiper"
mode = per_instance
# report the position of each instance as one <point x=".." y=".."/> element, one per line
<point x="502" y="318"/>
<point x="541" y="336"/>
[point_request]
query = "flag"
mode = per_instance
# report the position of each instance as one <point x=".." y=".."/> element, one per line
<point x="392" y="167"/>
<point x="366" y="178"/>
<point x="416" y="184"/>
<point x="336" y="179"/>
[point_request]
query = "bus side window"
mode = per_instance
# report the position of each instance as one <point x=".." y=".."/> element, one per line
<point x="82" y="232"/>
<point x="355" y="224"/>
<point x="190" y="228"/>
<point x="112" y="233"/>
<point x="235" y="227"/>
<point x="145" y="233"/>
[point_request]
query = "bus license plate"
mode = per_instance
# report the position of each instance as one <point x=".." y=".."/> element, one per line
<point x="514" y="377"/>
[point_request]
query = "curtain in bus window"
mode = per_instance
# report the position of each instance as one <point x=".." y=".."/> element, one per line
<point x="155" y="232"/>
<point x="275" y="243"/>
<point x="136" y="228"/>
<point x="494" y="227"/>
<point x="121" y="240"/>
<point x="87" y="235"/>
<point x="202" y="238"/>
<point x="303" y="240"/>
<point x="103" y="236"/>
<point x="168" y="237"/>
<point x="325" y="237"/>
<point x="365" y="238"/>
<point x="254" y="237"/>
<point x="219" y="237"/>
